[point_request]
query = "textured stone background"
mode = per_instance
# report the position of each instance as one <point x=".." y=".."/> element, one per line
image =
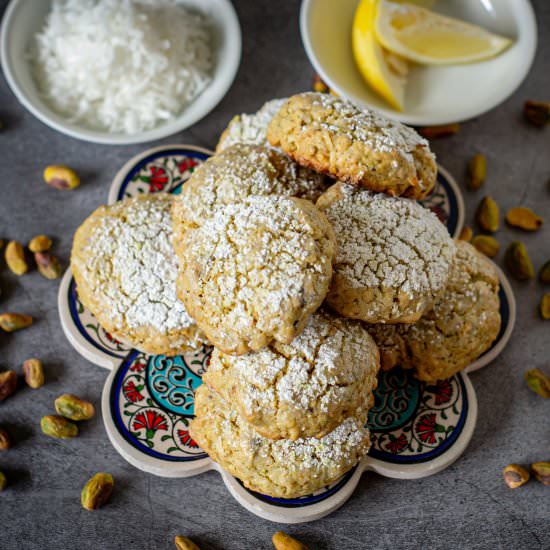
<point x="466" y="506"/>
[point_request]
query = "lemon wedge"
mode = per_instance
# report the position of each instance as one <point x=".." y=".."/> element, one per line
<point x="423" y="36"/>
<point x="385" y="72"/>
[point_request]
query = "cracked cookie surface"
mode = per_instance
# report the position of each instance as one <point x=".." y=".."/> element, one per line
<point x="393" y="258"/>
<point x="282" y="468"/>
<point x="305" y="388"/>
<point x="256" y="271"/>
<point x="125" y="269"/>
<point x="359" y="146"/>
<point x="235" y="174"/>
<point x="460" y="327"/>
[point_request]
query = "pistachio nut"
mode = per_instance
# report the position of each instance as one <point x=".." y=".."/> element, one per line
<point x="538" y="381"/>
<point x="61" y="177"/>
<point x="40" y="243"/>
<point x="72" y="407"/>
<point x="5" y="441"/>
<point x="518" y="262"/>
<point x="282" y="541"/>
<point x="15" y="258"/>
<point x="523" y="218"/>
<point x="544" y="273"/>
<point x="183" y="543"/>
<point x="433" y="132"/>
<point x="466" y="234"/>
<point x="11" y="322"/>
<point x="541" y="471"/>
<point x="8" y="384"/>
<point x="34" y="373"/>
<point x="48" y="265"/>
<point x="477" y="172"/>
<point x="486" y="245"/>
<point x="3" y="481"/>
<point x="515" y="475"/>
<point x="487" y="215"/>
<point x="537" y="112"/>
<point x="97" y="491"/>
<point x="58" y="427"/>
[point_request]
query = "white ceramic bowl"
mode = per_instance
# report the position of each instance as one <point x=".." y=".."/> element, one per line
<point x="434" y="95"/>
<point x="23" y="18"/>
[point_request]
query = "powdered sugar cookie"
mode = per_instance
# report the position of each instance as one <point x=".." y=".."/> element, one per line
<point x="359" y="146"/>
<point x="394" y="256"/>
<point x="461" y="326"/>
<point x="250" y="128"/>
<point x="283" y="468"/>
<point x="256" y="271"/>
<point x="125" y="270"/>
<point x="236" y="173"/>
<point x="305" y="388"/>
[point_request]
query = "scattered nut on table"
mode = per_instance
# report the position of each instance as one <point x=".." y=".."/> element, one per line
<point x="518" y="262"/>
<point x="40" y="243"/>
<point x="8" y="384"/>
<point x="538" y="381"/>
<point x="11" y="322"/>
<point x="545" y="306"/>
<point x="34" y="373"/>
<point x="3" y="481"/>
<point x="61" y="177"/>
<point x="486" y="245"/>
<point x="537" y="112"/>
<point x="58" y="427"/>
<point x="282" y="541"/>
<point x="434" y="132"/>
<point x="183" y="543"/>
<point x="477" y="172"/>
<point x="15" y="258"/>
<point x="541" y="471"/>
<point x="72" y="407"/>
<point x="523" y="218"/>
<point x="97" y="491"/>
<point x="488" y="214"/>
<point x="544" y="273"/>
<point x="48" y="265"/>
<point x="5" y="441"/>
<point x="515" y="475"/>
<point x="466" y="234"/>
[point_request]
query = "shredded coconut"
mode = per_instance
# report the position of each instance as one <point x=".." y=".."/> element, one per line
<point x="122" y="66"/>
<point x="130" y="265"/>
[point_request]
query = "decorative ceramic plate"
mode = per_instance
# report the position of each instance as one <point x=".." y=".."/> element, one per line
<point x="148" y="400"/>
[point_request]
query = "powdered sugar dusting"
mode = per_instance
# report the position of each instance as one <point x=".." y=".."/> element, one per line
<point x="389" y="242"/>
<point x="257" y="259"/>
<point x="366" y="126"/>
<point x="130" y="265"/>
<point x="251" y="129"/>
<point x="332" y="363"/>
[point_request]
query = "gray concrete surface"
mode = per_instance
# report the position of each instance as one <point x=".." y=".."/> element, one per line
<point x="466" y="506"/>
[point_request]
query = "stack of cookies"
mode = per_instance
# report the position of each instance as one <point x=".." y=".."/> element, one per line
<point x="303" y="257"/>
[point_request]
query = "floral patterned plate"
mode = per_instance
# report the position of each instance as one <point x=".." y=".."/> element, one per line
<point x="417" y="428"/>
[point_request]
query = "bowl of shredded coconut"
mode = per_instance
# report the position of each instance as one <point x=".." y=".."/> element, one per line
<point x="120" y="71"/>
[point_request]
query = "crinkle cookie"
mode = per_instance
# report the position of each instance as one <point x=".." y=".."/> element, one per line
<point x="282" y="468"/>
<point x="250" y="128"/>
<point x="462" y="325"/>
<point x="125" y="270"/>
<point x="256" y="271"/>
<point x="305" y="388"/>
<point x="394" y="256"/>
<point x="235" y="174"/>
<point x="359" y="146"/>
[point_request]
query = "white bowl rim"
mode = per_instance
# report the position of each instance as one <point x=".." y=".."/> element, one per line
<point x="232" y="27"/>
<point x="530" y="30"/>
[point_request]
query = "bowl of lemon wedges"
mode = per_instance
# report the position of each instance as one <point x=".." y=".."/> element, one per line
<point x="422" y="62"/>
